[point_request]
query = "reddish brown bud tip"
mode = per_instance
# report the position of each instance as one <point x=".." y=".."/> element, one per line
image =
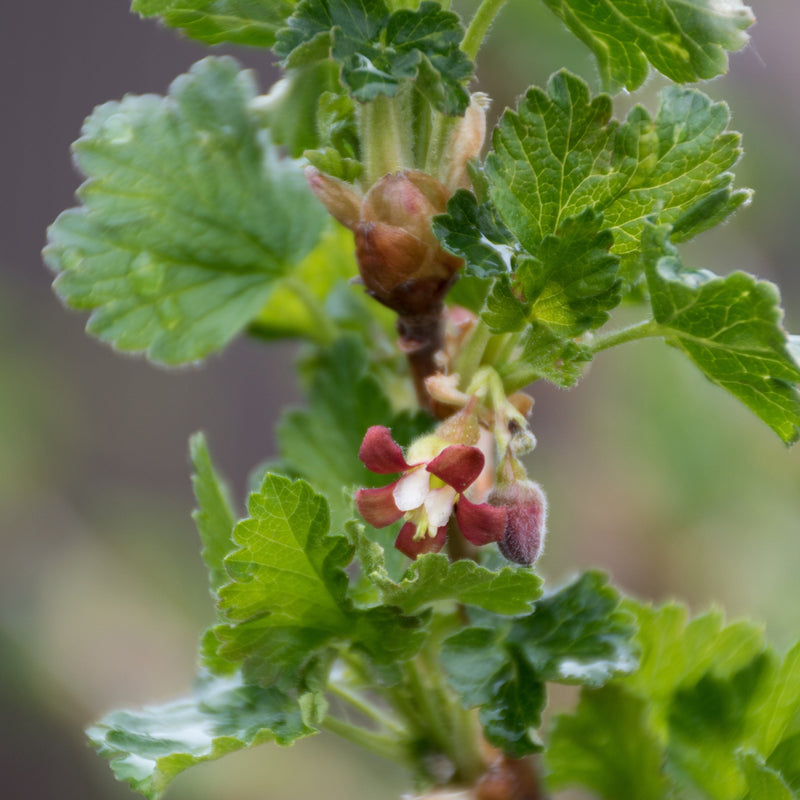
<point x="526" y="524"/>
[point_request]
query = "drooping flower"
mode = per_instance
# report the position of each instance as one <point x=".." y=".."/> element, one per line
<point x="526" y="507"/>
<point x="435" y="476"/>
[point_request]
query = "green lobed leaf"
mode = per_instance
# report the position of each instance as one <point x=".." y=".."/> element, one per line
<point x="214" y="517"/>
<point x="149" y="748"/>
<point x="567" y="286"/>
<point x="579" y="634"/>
<point x="287" y="601"/>
<point x="708" y="723"/>
<point x="379" y="50"/>
<point x="685" y="41"/>
<point x="676" y="652"/>
<point x="711" y="713"/>
<point x="785" y="759"/>
<point x="189" y="218"/>
<point x="605" y="746"/>
<point x="561" y="153"/>
<point x="545" y="355"/>
<point x="773" y="718"/>
<point x="764" y="783"/>
<point x="730" y="328"/>
<point x="248" y="22"/>
<point x="432" y="577"/>
<point x="576" y="635"/>
<point x="474" y="232"/>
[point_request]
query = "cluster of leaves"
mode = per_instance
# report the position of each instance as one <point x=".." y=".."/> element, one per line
<point x="685" y="42"/>
<point x="576" y="211"/>
<point x="378" y="50"/>
<point x="710" y="713"/>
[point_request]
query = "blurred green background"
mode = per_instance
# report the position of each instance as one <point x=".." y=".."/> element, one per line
<point x="652" y="473"/>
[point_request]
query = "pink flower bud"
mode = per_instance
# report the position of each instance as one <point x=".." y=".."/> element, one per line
<point x="406" y="200"/>
<point x="526" y="523"/>
<point x="399" y="259"/>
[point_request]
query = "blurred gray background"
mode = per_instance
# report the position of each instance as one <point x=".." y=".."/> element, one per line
<point x="652" y="474"/>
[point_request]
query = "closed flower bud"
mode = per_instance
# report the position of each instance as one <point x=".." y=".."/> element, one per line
<point x="343" y="204"/>
<point x="466" y="142"/>
<point x="400" y="260"/>
<point x="406" y="200"/>
<point x="526" y="524"/>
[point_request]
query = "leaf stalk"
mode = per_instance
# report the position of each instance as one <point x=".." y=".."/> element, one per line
<point x="641" y="330"/>
<point x="479" y="26"/>
<point x="390" y="747"/>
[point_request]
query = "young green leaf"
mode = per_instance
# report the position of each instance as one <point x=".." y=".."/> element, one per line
<point x="561" y="153"/>
<point x="379" y="50"/>
<point x="786" y="760"/>
<point x="149" y="748"/>
<point x="684" y="41"/>
<point x="606" y="746"/>
<point x="711" y="712"/>
<point x="288" y="597"/>
<point x="213" y="516"/>
<point x="731" y="328"/>
<point x="676" y="652"/>
<point x="474" y="232"/>
<point x="708" y="723"/>
<point x="764" y="783"/>
<point x="189" y="218"/>
<point x="289" y="110"/>
<point x="577" y="635"/>
<point x="432" y="577"/>
<point x="567" y="286"/>
<point x="249" y="22"/>
<point x="775" y="715"/>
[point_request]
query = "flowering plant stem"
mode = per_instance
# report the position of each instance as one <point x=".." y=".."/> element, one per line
<point x="381" y="584"/>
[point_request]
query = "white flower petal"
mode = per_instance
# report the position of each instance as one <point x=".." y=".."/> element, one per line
<point x="439" y="505"/>
<point x="412" y="489"/>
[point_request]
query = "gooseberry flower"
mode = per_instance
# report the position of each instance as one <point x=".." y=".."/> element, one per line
<point x="430" y="489"/>
<point x="526" y="521"/>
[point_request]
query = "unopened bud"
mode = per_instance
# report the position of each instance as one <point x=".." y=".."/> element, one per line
<point x="462" y="427"/>
<point x="526" y="524"/>
<point x="444" y="389"/>
<point x="343" y="204"/>
<point x="466" y="142"/>
<point x="406" y="200"/>
<point x="400" y="260"/>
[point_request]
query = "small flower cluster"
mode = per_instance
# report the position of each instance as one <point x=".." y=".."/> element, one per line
<point x="435" y="476"/>
<point x="432" y="486"/>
